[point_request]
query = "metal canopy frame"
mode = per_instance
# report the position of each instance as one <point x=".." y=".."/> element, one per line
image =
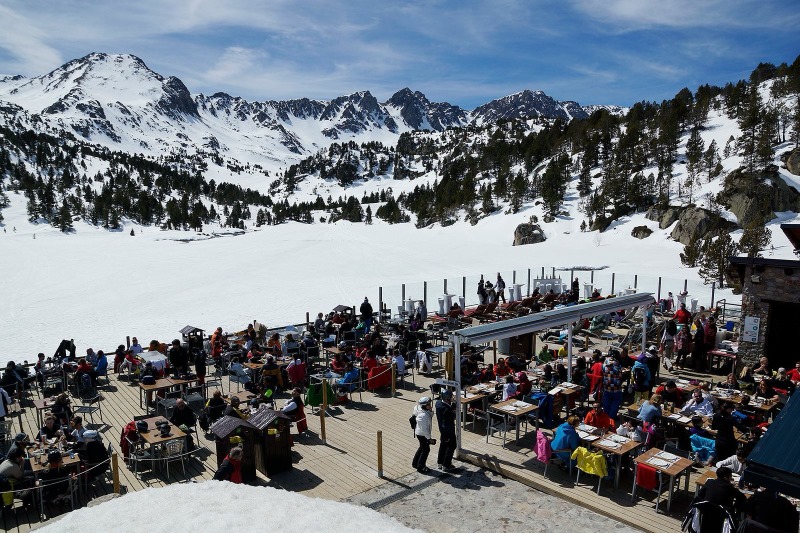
<point x="563" y="316"/>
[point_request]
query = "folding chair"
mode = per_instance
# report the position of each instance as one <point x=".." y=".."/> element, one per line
<point x="195" y="395"/>
<point x="590" y="463"/>
<point x="90" y="406"/>
<point x="174" y="450"/>
<point x="648" y="478"/>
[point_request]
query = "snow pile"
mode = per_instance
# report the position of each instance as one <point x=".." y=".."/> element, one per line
<point x="223" y="506"/>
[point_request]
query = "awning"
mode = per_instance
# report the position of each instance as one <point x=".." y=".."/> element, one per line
<point x="775" y="461"/>
<point x="554" y="318"/>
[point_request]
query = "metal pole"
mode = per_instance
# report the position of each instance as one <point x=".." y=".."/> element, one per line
<point x="380" y="454"/>
<point x="529" y="282"/>
<point x="513" y="276"/>
<point x="592" y="278"/>
<point x="569" y="353"/>
<point x="635" y="281"/>
<point x="425" y="293"/>
<point x="554" y="273"/>
<point x="457" y="361"/>
<point x="612" y="282"/>
<point x="464" y="287"/>
<point x="404" y="294"/>
<point x="713" y="288"/>
<point x="445" y="285"/>
<point x="542" y="272"/>
<point x="659" y="288"/>
<point x="380" y="303"/>
<point x="685" y="285"/>
<point x="644" y="329"/>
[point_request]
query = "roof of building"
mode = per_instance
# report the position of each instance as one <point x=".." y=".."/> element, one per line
<point x="265" y="416"/>
<point x="190" y="329"/>
<point x="229" y="424"/>
<point x="775" y="461"/>
<point x="792" y="232"/>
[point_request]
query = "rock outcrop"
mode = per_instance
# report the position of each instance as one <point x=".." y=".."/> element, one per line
<point x="695" y="223"/>
<point x="641" y="232"/>
<point x="754" y="198"/>
<point x="664" y="216"/>
<point x="793" y="162"/>
<point x="528" y="234"/>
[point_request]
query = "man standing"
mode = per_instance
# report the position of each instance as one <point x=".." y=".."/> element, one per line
<point x="366" y="314"/>
<point x="500" y="287"/>
<point x="178" y="358"/>
<point x="612" y="387"/>
<point x="446" y="418"/>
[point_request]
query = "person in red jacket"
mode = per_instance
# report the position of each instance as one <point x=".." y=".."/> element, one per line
<point x="599" y="419"/>
<point x="231" y="467"/>
<point x="595" y="374"/>
<point x="682" y="316"/>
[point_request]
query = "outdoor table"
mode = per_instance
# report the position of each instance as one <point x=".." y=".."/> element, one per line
<point x="468" y="398"/>
<point x="244" y="396"/>
<point x="160" y="384"/>
<point x="511" y="407"/>
<point x="685" y="386"/>
<point x="436" y="353"/>
<point x="617" y="445"/>
<point x="665" y="464"/>
<point x="158" y="359"/>
<point x="39" y="465"/>
<point x="719" y="356"/>
<point x="153" y="436"/>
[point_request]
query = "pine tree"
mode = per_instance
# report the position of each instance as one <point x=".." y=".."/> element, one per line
<point x="756" y="237"/>
<point x="64" y="218"/>
<point x="694" y="155"/>
<point x="368" y="218"/>
<point x="717" y="250"/>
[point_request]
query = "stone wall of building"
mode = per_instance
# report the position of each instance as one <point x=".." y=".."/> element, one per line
<point x="776" y="286"/>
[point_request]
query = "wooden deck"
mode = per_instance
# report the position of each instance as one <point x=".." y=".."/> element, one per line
<point x="347" y="464"/>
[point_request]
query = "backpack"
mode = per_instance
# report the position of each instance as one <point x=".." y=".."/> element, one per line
<point x="412" y="420"/>
<point x="640" y="378"/>
<point x="86" y="383"/>
<point x="204" y="421"/>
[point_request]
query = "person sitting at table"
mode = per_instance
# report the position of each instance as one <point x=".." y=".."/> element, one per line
<point x="544" y="355"/>
<point x="670" y="393"/>
<point x="294" y="408"/>
<point x="509" y="388"/>
<point x="61" y="409"/>
<point x="501" y="369"/>
<point x="524" y="385"/>
<point x="765" y="391"/>
<point x="101" y="367"/>
<point x="782" y="382"/>
<point x="19" y="481"/>
<point x="722" y="492"/>
<point x="267" y="393"/>
<point x="84" y="368"/>
<point x="184" y="418"/>
<point x="369" y="362"/>
<point x="763" y="368"/>
<point x="730" y="383"/>
<point x="599" y="419"/>
<point x="794" y="373"/>
<point x="231" y="467"/>
<point x="516" y="363"/>
<point x="274" y="344"/>
<point x="215" y="406"/>
<point x="338" y="364"/>
<point x="129" y="363"/>
<point x="632" y="430"/>
<point x="76" y="435"/>
<point x="154" y="346"/>
<point x="698" y="405"/>
<point x="561" y="373"/>
<point x="735" y="462"/>
<point x="233" y="408"/>
<point x="697" y="427"/>
<point x="488" y="374"/>
<point x="425" y="362"/>
<point x="399" y="362"/>
<point x="55" y="478"/>
<point x="49" y="430"/>
<point x="349" y="381"/>
<point x="566" y="438"/>
<point x="136" y="348"/>
<point x="94" y="456"/>
<point x="119" y="357"/>
<point x="650" y="410"/>
<point x="20" y="442"/>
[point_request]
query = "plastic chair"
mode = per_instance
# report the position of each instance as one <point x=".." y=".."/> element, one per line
<point x="174" y="451"/>
<point x="648" y="478"/>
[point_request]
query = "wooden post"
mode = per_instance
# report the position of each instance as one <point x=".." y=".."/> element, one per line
<point x="308" y="319"/>
<point x="612" y="282"/>
<point x="529" y="282"/>
<point x="380" y="303"/>
<point x="115" y="471"/>
<point x="635" y="281"/>
<point x="322" y="434"/>
<point x="380" y="454"/>
<point x="425" y="293"/>
<point x="659" y="288"/>
<point x="464" y="287"/>
<point x="591" y="279"/>
<point x="404" y="294"/>
<point x="685" y="285"/>
<point x="128" y="341"/>
<point x="394" y="380"/>
<point x="713" y="288"/>
<point x="444" y="285"/>
<point x="494" y="348"/>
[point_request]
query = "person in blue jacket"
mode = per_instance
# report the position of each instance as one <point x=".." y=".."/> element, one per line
<point x="641" y="378"/>
<point x="566" y="438"/>
<point x="102" y="364"/>
<point x="349" y="381"/>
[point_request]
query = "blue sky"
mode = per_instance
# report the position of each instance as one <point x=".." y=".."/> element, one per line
<point x="465" y="52"/>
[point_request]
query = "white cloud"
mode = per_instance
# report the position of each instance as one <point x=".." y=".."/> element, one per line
<point x="25" y="44"/>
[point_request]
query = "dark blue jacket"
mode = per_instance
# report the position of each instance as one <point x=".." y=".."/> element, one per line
<point x="446" y="418"/>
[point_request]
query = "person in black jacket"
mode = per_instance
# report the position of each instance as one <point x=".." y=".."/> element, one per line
<point x="725" y="443"/>
<point x="200" y="366"/>
<point x="446" y="418"/>
<point x="183" y="416"/>
<point x="366" y="314"/>
<point x="178" y="358"/>
<point x="698" y="348"/>
<point x="720" y="491"/>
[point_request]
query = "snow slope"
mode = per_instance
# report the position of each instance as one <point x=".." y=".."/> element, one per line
<point x="200" y="510"/>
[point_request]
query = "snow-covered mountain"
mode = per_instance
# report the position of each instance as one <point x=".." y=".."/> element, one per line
<point x="118" y="102"/>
